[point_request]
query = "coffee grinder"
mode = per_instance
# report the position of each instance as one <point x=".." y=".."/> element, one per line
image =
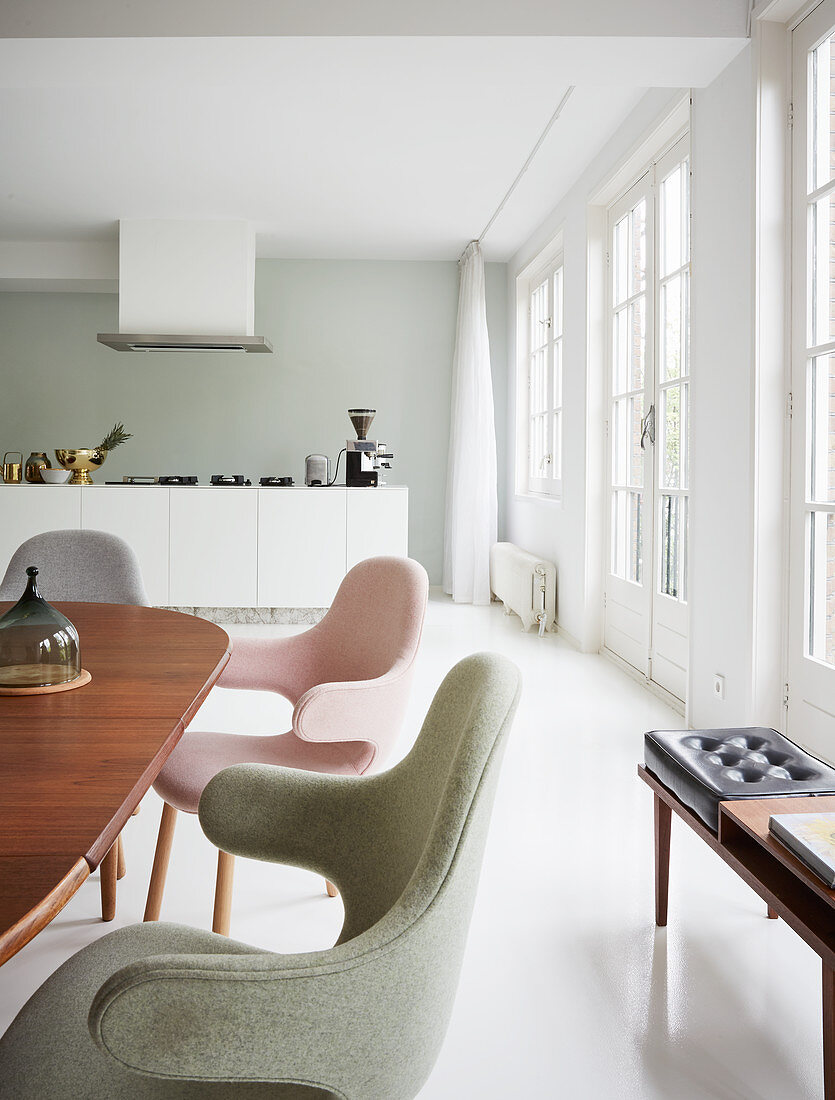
<point x="365" y="459"/>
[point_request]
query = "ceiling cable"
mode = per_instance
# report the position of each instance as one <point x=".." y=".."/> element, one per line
<point x="527" y="163"/>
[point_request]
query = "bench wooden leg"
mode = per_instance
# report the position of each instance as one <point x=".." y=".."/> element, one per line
<point x="828" y="985"/>
<point x="108" y="869"/>
<point x="772" y="913"/>
<point x="663" y="815"/>
<point x="161" y="858"/>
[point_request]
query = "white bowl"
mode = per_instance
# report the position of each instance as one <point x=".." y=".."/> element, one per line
<point x="56" y="477"/>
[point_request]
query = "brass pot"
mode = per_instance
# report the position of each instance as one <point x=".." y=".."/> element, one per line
<point x="12" y="471"/>
<point x="36" y="462"/>
<point x="81" y="460"/>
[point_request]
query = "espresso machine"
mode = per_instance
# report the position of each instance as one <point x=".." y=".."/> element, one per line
<point x="366" y="460"/>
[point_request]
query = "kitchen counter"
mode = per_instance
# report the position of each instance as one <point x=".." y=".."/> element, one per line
<point x="221" y="546"/>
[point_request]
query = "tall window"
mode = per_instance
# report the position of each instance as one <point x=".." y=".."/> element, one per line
<point x="544" y="380"/>
<point x="647" y="617"/>
<point x="650" y="276"/>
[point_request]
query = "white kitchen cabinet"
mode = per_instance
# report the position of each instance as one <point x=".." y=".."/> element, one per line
<point x="377" y="523"/>
<point x="139" y="515"/>
<point x="301" y="546"/>
<point x="214" y="559"/>
<point x="27" y="510"/>
<point x="201" y="546"/>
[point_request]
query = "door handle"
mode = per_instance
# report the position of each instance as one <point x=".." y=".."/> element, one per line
<point x="648" y="428"/>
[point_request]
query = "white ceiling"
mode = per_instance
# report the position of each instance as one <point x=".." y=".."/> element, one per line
<point x="332" y="147"/>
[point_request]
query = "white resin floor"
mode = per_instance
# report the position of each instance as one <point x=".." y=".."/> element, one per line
<point x="567" y="990"/>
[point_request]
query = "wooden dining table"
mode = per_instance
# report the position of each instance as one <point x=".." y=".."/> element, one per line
<point x="75" y="764"/>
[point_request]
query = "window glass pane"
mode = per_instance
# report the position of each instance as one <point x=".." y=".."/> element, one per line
<point x="671" y="541"/>
<point x="620" y="261"/>
<point x="537" y="446"/>
<point x="670" y="437"/>
<point x="539" y="393"/>
<point x="636" y="454"/>
<point x="620" y="351"/>
<point x="822" y="586"/>
<point x="557" y="322"/>
<point x="684" y="505"/>
<point x="822" y="428"/>
<point x="672" y="312"/>
<point x="627" y="535"/>
<point x="620" y="441"/>
<point x="638" y="250"/>
<point x="556" y="392"/>
<point x="540" y="321"/>
<point x="636" y="534"/>
<point x="822" y="243"/>
<point x="637" y="343"/>
<point x="685" y="321"/>
<point x="685" y="210"/>
<point x="673" y="245"/>
<point x="684" y="437"/>
<point x="627" y="456"/>
<point x="822" y="146"/>
<point x="556" y="465"/>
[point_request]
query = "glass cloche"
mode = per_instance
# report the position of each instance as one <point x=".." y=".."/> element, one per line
<point x="38" y="645"/>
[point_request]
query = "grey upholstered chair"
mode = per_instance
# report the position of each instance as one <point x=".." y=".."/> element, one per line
<point x="162" y="1011"/>
<point x="81" y="567"/>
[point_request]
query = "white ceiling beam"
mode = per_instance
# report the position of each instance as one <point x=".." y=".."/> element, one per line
<point x="80" y="266"/>
<point x="567" y="18"/>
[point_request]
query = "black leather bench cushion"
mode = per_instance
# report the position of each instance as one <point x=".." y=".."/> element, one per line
<point x="706" y="767"/>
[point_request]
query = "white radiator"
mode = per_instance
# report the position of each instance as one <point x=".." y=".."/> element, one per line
<point x="525" y="584"/>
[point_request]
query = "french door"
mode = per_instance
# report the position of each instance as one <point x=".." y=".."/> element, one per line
<point x="646" y="614"/>
<point x="811" y="634"/>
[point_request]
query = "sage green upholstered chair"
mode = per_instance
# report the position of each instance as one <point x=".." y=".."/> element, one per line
<point x="163" y="1011"/>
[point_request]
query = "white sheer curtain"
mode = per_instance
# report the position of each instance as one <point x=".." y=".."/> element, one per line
<point x="471" y="507"/>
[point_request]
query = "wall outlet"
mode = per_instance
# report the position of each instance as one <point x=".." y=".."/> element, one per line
<point x="719" y="686"/>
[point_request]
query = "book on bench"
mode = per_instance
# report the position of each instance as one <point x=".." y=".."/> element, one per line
<point x="811" y="837"/>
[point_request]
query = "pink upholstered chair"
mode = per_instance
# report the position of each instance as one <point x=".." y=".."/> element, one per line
<point x="348" y="679"/>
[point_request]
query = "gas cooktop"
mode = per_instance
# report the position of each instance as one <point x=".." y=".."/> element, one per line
<point x="165" y="479"/>
<point x="273" y="480"/>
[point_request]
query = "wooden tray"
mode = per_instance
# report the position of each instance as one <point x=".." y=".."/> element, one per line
<point x="78" y="682"/>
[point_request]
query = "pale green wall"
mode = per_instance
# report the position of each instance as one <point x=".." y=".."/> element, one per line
<point x="345" y="333"/>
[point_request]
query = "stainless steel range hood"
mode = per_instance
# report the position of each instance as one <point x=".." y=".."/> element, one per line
<point x="136" y="341"/>
<point x="183" y="285"/>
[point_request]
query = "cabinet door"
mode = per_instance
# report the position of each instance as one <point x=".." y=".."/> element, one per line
<point x="301" y="546"/>
<point x="378" y="524"/>
<point x="27" y="510"/>
<point x="139" y="515"/>
<point x="213" y="558"/>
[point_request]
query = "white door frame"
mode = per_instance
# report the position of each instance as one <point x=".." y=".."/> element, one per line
<point x="810" y="678"/>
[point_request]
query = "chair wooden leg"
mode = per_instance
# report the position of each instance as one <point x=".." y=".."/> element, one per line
<point x="772" y="913"/>
<point x="663" y="815"/>
<point x="331" y="889"/>
<point x="223" y="893"/>
<point x="121" y="866"/>
<point x="107" y="869"/>
<point x="161" y="858"/>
